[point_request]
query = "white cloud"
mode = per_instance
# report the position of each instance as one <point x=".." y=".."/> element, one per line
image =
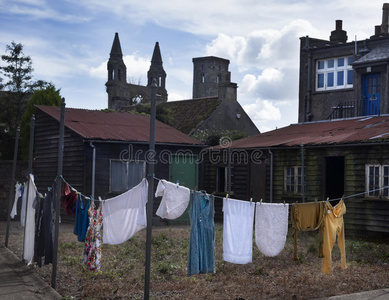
<point x="263" y="110"/>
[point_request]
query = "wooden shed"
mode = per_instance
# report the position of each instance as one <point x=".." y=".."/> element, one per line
<point x="312" y="162"/>
<point x="120" y="141"/>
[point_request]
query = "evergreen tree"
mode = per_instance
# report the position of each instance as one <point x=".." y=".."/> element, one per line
<point x="16" y="87"/>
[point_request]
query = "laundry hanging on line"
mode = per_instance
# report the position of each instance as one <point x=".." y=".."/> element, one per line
<point x="238" y="224"/>
<point x="124" y="215"/>
<point x="271" y="227"/>
<point x="175" y="199"/>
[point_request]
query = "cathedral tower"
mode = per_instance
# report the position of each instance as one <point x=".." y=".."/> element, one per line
<point x="208" y="74"/>
<point x="156" y="71"/>
<point x="122" y="94"/>
<point x="117" y="74"/>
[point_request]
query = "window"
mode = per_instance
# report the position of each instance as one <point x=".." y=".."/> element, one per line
<point x="334" y="73"/>
<point x="222" y="179"/>
<point x="293" y="180"/>
<point x="124" y="175"/>
<point x="377" y="181"/>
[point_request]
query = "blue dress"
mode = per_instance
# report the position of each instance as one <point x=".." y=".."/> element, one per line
<point x="82" y="219"/>
<point x="202" y="234"/>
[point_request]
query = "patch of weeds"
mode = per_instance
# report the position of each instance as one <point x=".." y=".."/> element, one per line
<point x="67" y="245"/>
<point x="159" y="240"/>
<point x="312" y="248"/>
<point x="258" y="271"/>
<point x="167" y="269"/>
<point x="70" y="260"/>
<point x="300" y="258"/>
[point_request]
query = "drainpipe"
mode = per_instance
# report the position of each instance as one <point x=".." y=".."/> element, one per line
<point x="271" y="175"/>
<point x="302" y="173"/>
<point x="308" y="114"/>
<point x="229" y="172"/>
<point x="93" y="169"/>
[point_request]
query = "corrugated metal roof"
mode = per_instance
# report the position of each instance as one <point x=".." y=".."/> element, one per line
<point x="355" y="130"/>
<point x="116" y="126"/>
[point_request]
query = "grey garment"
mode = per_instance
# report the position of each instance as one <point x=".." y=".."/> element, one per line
<point x="48" y="220"/>
<point x="201" y="257"/>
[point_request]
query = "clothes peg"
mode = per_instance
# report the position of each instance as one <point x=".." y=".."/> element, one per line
<point x="178" y="182"/>
<point x="251" y="200"/>
<point x="226" y="197"/>
<point x="284" y="203"/>
<point x="260" y="203"/>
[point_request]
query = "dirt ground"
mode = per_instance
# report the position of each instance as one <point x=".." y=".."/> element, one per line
<point x="122" y="269"/>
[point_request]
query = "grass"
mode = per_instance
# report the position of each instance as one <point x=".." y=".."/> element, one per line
<point x="123" y="267"/>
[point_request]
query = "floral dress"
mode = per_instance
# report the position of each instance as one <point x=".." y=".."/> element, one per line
<point x="92" y="252"/>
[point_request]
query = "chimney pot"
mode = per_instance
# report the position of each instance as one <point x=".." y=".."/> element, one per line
<point x="338" y="24"/>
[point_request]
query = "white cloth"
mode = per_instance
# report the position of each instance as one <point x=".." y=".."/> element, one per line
<point x="271" y="227"/>
<point x="23" y="208"/>
<point x="18" y="194"/>
<point x="238" y="231"/>
<point x="175" y="199"/>
<point x="125" y="215"/>
<point x="29" y="232"/>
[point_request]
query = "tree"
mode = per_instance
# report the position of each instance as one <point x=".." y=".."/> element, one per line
<point x="16" y="87"/>
<point x="162" y="113"/>
<point x="45" y="95"/>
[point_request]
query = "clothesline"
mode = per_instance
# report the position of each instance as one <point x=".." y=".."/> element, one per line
<point x="86" y="197"/>
<point x="221" y="197"/>
<point x="335" y="199"/>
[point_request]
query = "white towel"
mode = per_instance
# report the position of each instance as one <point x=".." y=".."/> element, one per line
<point x="125" y="215"/>
<point x="29" y="232"/>
<point x="238" y="231"/>
<point x="18" y="194"/>
<point x="175" y="199"/>
<point x="271" y="227"/>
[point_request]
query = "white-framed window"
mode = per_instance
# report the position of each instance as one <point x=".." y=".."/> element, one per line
<point x="293" y="180"/>
<point x="377" y="181"/>
<point x="124" y="175"/>
<point x="334" y="73"/>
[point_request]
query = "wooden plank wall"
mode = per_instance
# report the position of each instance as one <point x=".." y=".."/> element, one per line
<point x="366" y="217"/>
<point x="46" y="154"/>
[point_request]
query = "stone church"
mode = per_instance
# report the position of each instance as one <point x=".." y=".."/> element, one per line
<point x="214" y="105"/>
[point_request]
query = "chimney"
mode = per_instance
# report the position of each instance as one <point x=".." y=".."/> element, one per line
<point x="338" y="35"/>
<point x="385" y="20"/>
<point x="377" y="30"/>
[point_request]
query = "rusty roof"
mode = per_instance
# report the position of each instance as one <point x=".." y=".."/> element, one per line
<point x="346" y="131"/>
<point x="116" y="126"/>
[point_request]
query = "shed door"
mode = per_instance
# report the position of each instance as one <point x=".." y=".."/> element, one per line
<point x="184" y="168"/>
<point x="334" y="177"/>
<point x="371" y="94"/>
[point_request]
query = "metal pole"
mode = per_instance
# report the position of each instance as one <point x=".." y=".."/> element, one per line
<point x="30" y="155"/>
<point x="93" y="169"/>
<point x="302" y="173"/>
<point x="58" y="196"/>
<point x="271" y="175"/>
<point x="12" y="185"/>
<point x="150" y="178"/>
<point x="229" y="172"/>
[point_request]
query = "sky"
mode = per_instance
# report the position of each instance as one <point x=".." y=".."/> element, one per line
<point x="69" y="42"/>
